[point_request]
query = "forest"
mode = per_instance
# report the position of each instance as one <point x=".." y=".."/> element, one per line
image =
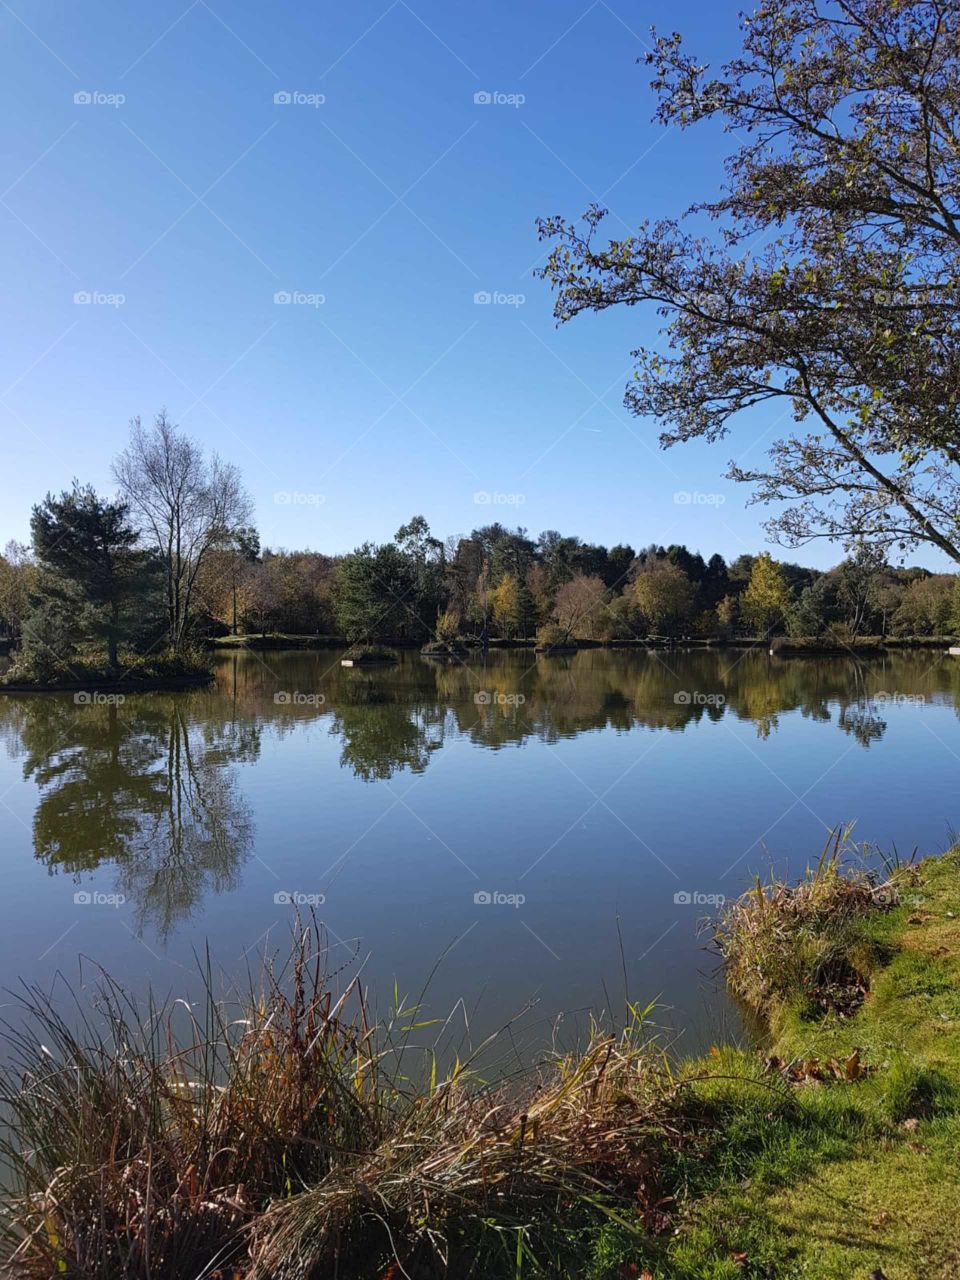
<point x="143" y="578"/>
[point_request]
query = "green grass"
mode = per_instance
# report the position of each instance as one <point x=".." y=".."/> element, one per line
<point x="832" y="1180"/>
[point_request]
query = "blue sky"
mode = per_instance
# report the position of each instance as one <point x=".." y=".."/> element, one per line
<point x="197" y="198"/>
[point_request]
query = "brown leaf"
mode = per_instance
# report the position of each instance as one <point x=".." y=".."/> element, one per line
<point x="910" y="1124"/>
<point x="852" y="1066"/>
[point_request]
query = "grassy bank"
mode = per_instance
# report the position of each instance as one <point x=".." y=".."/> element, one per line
<point x="292" y="1137"/>
<point x="91" y="673"/>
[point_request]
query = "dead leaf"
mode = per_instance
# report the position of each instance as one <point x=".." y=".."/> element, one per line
<point x="910" y="1124"/>
<point x="852" y="1066"/>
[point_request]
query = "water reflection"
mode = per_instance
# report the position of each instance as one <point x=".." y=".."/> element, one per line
<point x="146" y="786"/>
<point x="152" y="788"/>
<point x="391" y="719"/>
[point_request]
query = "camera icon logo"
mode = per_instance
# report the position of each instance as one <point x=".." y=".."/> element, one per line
<point x="282" y="698"/>
<point x="483" y="98"/>
<point x="682" y="698"/>
<point x="683" y="898"/>
<point x="482" y="298"/>
<point x="283" y="98"/>
<point x="83" y="699"/>
<point x="482" y="698"/>
<point x="83" y="98"/>
<point x="483" y="898"/>
<point x="282" y="899"/>
<point x="83" y="898"/>
<point x="282" y="298"/>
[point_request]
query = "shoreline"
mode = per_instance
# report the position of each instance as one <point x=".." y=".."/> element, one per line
<point x="830" y="1152"/>
<point x="154" y="683"/>
<point x="778" y="645"/>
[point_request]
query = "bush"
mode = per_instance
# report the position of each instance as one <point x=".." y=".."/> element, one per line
<point x="553" y="636"/>
<point x="371" y="653"/>
<point x="33" y="666"/>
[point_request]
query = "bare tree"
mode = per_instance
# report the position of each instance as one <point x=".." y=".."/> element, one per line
<point x="184" y="504"/>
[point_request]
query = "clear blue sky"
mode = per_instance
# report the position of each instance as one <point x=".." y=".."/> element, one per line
<point x="198" y="198"/>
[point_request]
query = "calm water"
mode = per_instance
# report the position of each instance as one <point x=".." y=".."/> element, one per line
<point x="583" y="790"/>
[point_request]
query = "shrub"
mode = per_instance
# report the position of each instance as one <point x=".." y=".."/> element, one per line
<point x="553" y="636"/>
<point x="803" y="943"/>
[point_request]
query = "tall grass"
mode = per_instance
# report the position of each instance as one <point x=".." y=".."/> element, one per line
<point x="804" y="943"/>
<point x="284" y="1136"/>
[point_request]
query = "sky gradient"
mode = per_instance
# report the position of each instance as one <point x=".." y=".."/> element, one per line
<point x="381" y="197"/>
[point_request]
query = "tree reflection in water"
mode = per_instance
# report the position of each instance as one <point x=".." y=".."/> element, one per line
<point x="146" y="786"/>
<point x="151" y="788"/>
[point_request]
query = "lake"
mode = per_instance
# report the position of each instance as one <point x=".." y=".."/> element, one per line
<point x="518" y="830"/>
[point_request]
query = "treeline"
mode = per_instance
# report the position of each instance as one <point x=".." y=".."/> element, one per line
<point x="500" y="583"/>
<point x="173" y="559"/>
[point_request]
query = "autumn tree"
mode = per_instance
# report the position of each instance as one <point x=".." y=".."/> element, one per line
<point x="767" y="596"/>
<point x="507" y="606"/>
<point x="580" y="606"/>
<point x="830" y="286"/>
<point x="664" y="595"/>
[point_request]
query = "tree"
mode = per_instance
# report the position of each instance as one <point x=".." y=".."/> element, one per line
<point x="508" y="606"/>
<point x="767" y="596"/>
<point x="373" y="590"/>
<point x="954" y="620"/>
<point x="849" y="316"/>
<point x="580" y="606"/>
<point x="186" y="506"/>
<point x="17" y="578"/>
<point x="86" y="550"/>
<point x="428" y="560"/>
<point x="664" y="596"/>
<point x="858" y="579"/>
<point x="727" y="611"/>
<point x="222" y="583"/>
<point x="926" y="606"/>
